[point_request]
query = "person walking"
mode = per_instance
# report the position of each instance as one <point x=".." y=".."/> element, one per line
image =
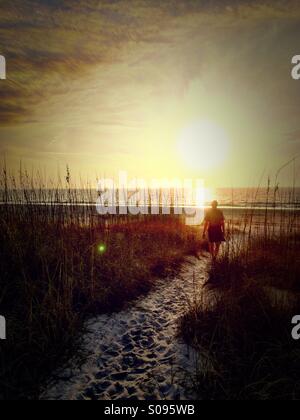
<point x="214" y="225"/>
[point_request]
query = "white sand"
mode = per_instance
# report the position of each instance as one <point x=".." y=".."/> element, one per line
<point x="135" y="353"/>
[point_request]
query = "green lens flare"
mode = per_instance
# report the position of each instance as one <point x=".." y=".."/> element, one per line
<point x="101" y="248"/>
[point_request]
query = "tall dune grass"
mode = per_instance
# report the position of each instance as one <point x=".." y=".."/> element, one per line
<point x="241" y="323"/>
<point x="61" y="262"/>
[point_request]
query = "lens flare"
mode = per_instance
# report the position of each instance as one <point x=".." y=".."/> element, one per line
<point x="101" y="248"/>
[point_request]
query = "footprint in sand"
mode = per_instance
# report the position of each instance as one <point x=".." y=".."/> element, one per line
<point x="135" y="354"/>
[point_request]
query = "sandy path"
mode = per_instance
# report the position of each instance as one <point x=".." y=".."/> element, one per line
<point x="135" y="353"/>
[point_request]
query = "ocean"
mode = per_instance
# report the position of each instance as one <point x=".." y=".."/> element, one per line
<point x="227" y="197"/>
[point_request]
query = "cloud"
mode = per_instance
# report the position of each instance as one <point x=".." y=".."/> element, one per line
<point x="49" y="43"/>
<point x="97" y="73"/>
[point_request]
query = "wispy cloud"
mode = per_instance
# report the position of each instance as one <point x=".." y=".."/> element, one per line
<point x="94" y="73"/>
<point x="49" y="43"/>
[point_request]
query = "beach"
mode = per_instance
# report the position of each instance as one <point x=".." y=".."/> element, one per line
<point x="112" y="290"/>
<point x="136" y="353"/>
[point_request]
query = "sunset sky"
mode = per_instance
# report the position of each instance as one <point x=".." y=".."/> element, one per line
<point x="173" y="88"/>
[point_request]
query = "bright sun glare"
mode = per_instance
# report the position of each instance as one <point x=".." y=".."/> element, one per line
<point x="203" y="145"/>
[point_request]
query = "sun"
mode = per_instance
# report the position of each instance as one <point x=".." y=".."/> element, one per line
<point x="203" y="145"/>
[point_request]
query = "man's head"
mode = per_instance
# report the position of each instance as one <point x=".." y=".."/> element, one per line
<point x="214" y="204"/>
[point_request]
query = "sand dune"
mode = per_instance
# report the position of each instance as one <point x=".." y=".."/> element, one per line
<point x="135" y="353"/>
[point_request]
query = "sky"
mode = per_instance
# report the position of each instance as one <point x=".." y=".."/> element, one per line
<point x="160" y="89"/>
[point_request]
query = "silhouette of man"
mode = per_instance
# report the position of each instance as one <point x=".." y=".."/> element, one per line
<point x="215" y="226"/>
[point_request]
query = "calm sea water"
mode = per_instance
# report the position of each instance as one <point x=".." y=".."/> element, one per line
<point x="227" y="197"/>
<point x="262" y="197"/>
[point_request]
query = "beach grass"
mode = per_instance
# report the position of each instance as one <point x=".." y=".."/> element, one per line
<point x="60" y="264"/>
<point x="241" y="323"/>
